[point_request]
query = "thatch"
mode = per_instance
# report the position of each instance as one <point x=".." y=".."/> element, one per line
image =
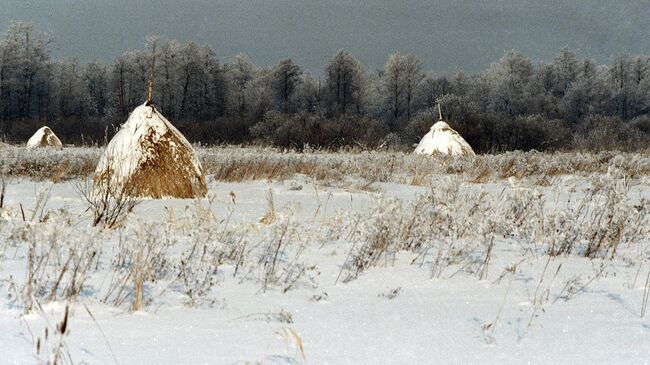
<point x="149" y="157"/>
<point x="442" y="139"/>
<point x="44" y="137"/>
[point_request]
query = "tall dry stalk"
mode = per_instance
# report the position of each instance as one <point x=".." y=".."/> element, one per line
<point x="3" y="190"/>
<point x="646" y="294"/>
<point x="108" y="199"/>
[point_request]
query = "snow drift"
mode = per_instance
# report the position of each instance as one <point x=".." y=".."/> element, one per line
<point x="444" y="140"/>
<point x="150" y="158"/>
<point x="44" y="137"/>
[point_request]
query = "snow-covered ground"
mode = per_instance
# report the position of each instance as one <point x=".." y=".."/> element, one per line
<point x="482" y="290"/>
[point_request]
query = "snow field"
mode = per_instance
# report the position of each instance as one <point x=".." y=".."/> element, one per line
<point x="387" y="273"/>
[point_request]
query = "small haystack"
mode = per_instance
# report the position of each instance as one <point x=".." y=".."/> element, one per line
<point x="150" y="158"/>
<point x="442" y="139"/>
<point x="44" y="137"/>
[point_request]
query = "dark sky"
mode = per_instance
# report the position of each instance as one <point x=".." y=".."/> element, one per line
<point x="448" y="35"/>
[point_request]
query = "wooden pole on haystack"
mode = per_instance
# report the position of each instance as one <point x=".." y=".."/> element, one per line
<point x="439" y="112"/>
<point x="153" y="69"/>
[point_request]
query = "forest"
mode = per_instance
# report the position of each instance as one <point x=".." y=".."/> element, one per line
<point x="515" y="104"/>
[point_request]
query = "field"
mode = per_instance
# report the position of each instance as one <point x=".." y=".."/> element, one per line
<point x="332" y="258"/>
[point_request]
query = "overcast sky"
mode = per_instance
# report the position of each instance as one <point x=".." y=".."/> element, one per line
<point x="448" y="35"/>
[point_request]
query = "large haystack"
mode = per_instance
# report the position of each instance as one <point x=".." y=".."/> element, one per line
<point x="150" y="158"/>
<point x="44" y="137"/>
<point x="442" y="139"/>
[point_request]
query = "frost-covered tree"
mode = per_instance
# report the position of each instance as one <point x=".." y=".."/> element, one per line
<point x="344" y="85"/>
<point x="128" y="82"/>
<point x="201" y="82"/>
<point x="165" y="81"/>
<point x="285" y="79"/>
<point x="620" y="82"/>
<point x="24" y="70"/>
<point x="394" y="84"/>
<point x="543" y="93"/>
<point x="307" y="96"/>
<point x="239" y="74"/>
<point x="565" y="69"/>
<point x="430" y="89"/>
<point x="259" y="94"/>
<point x="73" y="98"/>
<point x="509" y="80"/>
<point x="402" y="75"/>
<point x="211" y="102"/>
<point x="460" y="84"/>
<point x="95" y="76"/>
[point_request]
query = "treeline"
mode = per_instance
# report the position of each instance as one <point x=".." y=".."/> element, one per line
<point x="514" y="104"/>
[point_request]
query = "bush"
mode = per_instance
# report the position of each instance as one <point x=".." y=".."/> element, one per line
<point x="642" y="125"/>
<point x="532" y="133"/>
<point x="599" y="133"/>
<point x="304" y="129"/>
<point x="218" y="131"/>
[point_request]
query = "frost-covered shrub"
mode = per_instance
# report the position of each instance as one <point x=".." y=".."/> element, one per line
<point x="141" y="258"/>
<point x="454" y="224"/>
<point x="449" y="224"/>
<point x="110" y="204"/>
<point x="210" y="246"/>
<point x="607" y="220"/>
<point x="60" y="256"/>
<point x="601" y="133"/>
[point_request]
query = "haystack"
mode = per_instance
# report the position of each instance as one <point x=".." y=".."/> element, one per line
<point x="442" y="139"/>
<point x="44" y="137"/>
<point x="150" y="158"/>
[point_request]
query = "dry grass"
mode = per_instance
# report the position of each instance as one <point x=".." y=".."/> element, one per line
<point x="646" y="295"/>
<point x="48" y="164"/>
<point x="289" y="336"/>
<point x="235" y="164"/>
<point x="51" y="349"/>
<point x="3" y="190"/>
<point x="269" y="169"/>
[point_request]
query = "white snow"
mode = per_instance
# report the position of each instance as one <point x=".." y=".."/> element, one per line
<point x="454" y="318"/>
<point x="125" y="152"/>
<point x="442" y="139"/>
<point x="51" y="140"/>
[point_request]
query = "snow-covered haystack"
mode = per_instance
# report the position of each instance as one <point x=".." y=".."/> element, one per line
<point x="44" y="137"/>
<point x="150" y="158"/>
<point x="444" y="140"/>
